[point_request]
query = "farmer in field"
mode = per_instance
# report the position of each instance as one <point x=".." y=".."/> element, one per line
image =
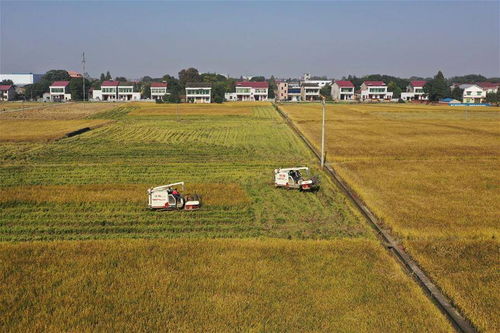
<point x="176" y="194"/>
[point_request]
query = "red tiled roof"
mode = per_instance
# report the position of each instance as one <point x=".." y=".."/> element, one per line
<point x="252" y="84"/>
<point x="374" y="83"/>
<point x="488" y="85"/>
<point x="5" y="87"/>
<point x="110" y="84"/>
<point x="345" y="84"/>
<point x="158" y="84"/>
<point x="74" y="74"/>
<point x="59" y="84"/>
<point x="418" y="84"/>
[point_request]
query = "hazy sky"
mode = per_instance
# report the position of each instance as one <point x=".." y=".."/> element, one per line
<point x="284" y="38"/>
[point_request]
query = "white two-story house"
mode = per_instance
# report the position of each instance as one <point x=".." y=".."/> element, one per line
<point x="310" y="91"/>
<point x="252" y="91"/>
<point x="342" y="91"/>
<point x="158" y="90"/>
<point x="415" y="91"/>
<point x="7" y="92"/>
<point x="474" y="94"/>
<point x="374" y="90"/>
<point x="59" y="91"/>
<point x="198" y="92"/>
<point x="116" y="91"/>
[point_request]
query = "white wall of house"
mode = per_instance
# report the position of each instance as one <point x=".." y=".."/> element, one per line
<point x="198" y="95"/>
<point x="230" y="97"/>
<point x="342" y="93"/>
<point x="7" y="95"/>
<point x="251" y="94"/>
<point x="59" y="93"/>
<point x="158" y="92"/>
<point x="374" y="92"/>
<point x="474" y="94"/>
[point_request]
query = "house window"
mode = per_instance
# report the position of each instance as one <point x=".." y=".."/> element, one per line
<point x="57" y="90"/>
<point x="469" y="93"/>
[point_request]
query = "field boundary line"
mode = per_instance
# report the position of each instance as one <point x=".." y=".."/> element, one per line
<point x="444" y="304"/>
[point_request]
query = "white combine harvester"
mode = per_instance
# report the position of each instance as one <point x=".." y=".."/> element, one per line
<point x="167" y="197"/>
<point x="292" y="178"/>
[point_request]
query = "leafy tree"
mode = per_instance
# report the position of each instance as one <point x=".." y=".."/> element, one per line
<point x="147" y="79"/>
<point x="326" y="91"/>
<point x="493" y="98"/>
<point x="56" y="75"/>
<point x="76" y="89"/>
<point x="212" y="77"/>
<point x="7" y="82"/>
<point x="103" y="77"/>
<point x="468" y="78"/>
<point x="218" y="91"/>
<point x="272" y="87"/>
<point x="457" y="93"/>
<point x="108" y="76"/>
<point x="189" y="75"/>
<point x="437" y="88"/>
<point x="258" y="79"/>
<point x="396" y="90"/>
<point x="146" y="90"/>
<point x="121" y="79"/>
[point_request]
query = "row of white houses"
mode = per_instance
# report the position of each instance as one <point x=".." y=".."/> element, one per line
<point x="307" y="90"/>
<point x="196" y="92"/>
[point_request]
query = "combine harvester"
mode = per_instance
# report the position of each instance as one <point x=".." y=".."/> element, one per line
<point x="292" y="178"/>
<point x="166" y="197"/>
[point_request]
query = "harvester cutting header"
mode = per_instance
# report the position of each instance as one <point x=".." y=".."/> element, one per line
<point x="293" y="178"/>
<point x="167" y="197"/>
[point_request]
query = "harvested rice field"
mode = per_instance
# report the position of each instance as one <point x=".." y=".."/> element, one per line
<point x="80" y="251"/>
<point x="430" y="173"/>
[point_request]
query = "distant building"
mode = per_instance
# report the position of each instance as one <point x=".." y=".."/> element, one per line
<point x="321" y="83"/>
<point x="74" y="75"/>
<point x="289" y="91"/>
<point x="21" y="79"/>
<point x="374" y="91"/>
<point x="415" y="91"/>
<point x="474" y="94"/>
<point x="198" y="92"/>
<point x="252" y="91"/>
<point x="310" y="91"/>
<point x="489" y="87"/>
<point x="7" y="92"/>
<point x="230" y="97"/>
<point x="158" y="90"/>
<point x="116" y="91"/>
<point x="59" y="91"/>
<point x="342" y="91"/>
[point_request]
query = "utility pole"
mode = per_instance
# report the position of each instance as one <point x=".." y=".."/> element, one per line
<point x="323" y="134"/>
<point x="83" y="75"/>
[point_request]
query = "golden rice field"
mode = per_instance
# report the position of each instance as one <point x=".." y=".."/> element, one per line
<point x="431" y="174"/>
<point x="209" y="286"/>
<point x="80" y="251"/>
<point x="42" y="130"/>
<point x="225" y="109"/>
<point x="53" y="111"/>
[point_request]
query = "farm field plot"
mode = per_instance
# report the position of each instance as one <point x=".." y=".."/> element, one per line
<point x="209" y="285"/>
<point x="283" y="260"/>
<point x="42" y="130"/>
<point x="53" y="111"/>
<point x="431" y="175"/>
<point x="149" y="151"/>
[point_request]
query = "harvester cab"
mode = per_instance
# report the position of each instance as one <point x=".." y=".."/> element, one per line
<point x="295" y="178"/>
<point x="167" y="197"/>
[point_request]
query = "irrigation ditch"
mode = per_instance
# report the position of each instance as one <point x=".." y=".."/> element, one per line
<point x="445" y="305"/>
